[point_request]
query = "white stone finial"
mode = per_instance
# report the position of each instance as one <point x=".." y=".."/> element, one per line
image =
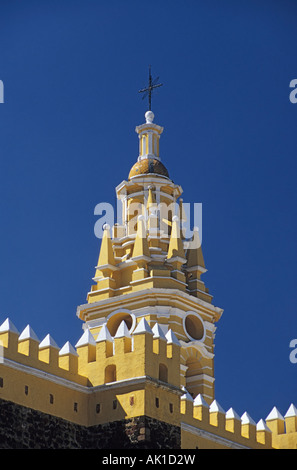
<point x="231" y="414"/>
<point x="7" y="325"/>
<point x="149" y="117"/>
<point x="67" y="349"/>
<point x="246" y="419"/>
<point x="215" y="407"/>
<point x="142" y="327"/>
<point x="28" y="333"/>
<point x="292" y="411"/>
<point x="199" y="401"/>
<point x="104" y="334"/>
<point x="122" y="331"/>
<point x="85" y="339"/>
<point x="274" y="414"/>
<point x="47" y="342"/>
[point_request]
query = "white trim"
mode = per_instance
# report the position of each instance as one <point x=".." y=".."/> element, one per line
<point x="45" y="375"/>
<point x="200" y="347"/>
<point x="83" y="388"/>
<point x="195" y="314"/>
<point x="211" y="437"/>
<point x="158" y="291"/>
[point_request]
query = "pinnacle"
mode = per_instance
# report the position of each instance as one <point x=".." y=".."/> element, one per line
<point x="141" y="248"/>
<point x="106" y="256"/>
<point x="67" y="349"/>
<point x="231" y="414"/>
<point x="142" y="327"/>
<point x="176" y="248"/>
<point x="261" y="426"/>
<point x="246" y="419"/>
<point x="199" y="401"/>
<point x="104" y="334"/>
<point x="158" y="332"/>
<point x="292" y="411"/>
<point x="186" y="395"/>
<point x="85" y="339"/>
<point x="215" y="407"/>
<point x="194" y="253"/>
<point x="7" y="325"/>
<point x="47" y="342"/>
<point x="274" y="414"/>
<point x="28" y="333"/>
<point x="122" y="331"/>
<point x="171" y="338"/>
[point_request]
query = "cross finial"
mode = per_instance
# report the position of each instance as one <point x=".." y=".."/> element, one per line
<point x="151" y="86"/>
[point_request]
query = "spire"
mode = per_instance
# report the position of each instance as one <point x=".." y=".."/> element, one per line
<point x="194" y="253"/>
<point x="106" y="256"/>
<point x="151" y="198"/>
<point x="141" y="249"/>
<point x="176" y="248"/>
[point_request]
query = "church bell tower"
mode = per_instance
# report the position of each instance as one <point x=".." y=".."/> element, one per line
<point x="147" y="269"/>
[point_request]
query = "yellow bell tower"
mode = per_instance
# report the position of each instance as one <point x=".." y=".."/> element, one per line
<point x="148" y="270"/>
<point x="141" y="375"/>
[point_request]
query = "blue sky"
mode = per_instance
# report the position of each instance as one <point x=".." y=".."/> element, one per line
<point x="71" y="74"/>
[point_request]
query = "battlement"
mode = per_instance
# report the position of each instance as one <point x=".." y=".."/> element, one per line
<point x="100" y="370"/>
<point x="28" y="351"/>
<point x="144" y="352"/>
<point x="132" y="373"/>
<point x="202" y="422"/>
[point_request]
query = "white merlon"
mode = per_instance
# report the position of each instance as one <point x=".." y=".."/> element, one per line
<point x="104" y="334"/>
<point x="85" y="339"/>
<point x="158" y="332"/>
<point x="215" y="407"/>
<point x="28" y="333"/>
<point x="231" y="414"/>
<point x="261" y="426"/>
<point x="67" y="349"/>
<point x="122" y="331"/>
<point x="171" y="338"/>
<point x="246" y="419"/>
<point x="292" y="411"/>
<point x="199" y="401"/>
<point x="142" y="327"/>
<point x="7" y="325"/>
<point x="186" y="395"/>
<point x="274" y="414"/>
<point x="47" y="342"/>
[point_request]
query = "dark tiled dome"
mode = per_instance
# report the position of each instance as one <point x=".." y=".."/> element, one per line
<point x="148" y="165"/>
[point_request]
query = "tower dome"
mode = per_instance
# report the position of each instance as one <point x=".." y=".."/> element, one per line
<point x="148" y="166"/>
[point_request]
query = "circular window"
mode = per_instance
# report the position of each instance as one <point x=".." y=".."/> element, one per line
<point x="116" y="319"/>
<point x="194" y="327"/>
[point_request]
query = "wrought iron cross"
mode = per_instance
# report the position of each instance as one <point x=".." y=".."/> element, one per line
<point x="151" y="86"/>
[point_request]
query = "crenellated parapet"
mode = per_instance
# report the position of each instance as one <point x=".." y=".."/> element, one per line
<point x="99" y="370"/>
<point x="143" y="352"/>
<point x="126" y="355"/>
<point x="210" y="426"/>
<point x="132" y="374"/>
<point x="28" y="351"/>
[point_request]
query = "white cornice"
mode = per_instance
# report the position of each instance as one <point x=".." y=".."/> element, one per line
<point x="152" y="293"/>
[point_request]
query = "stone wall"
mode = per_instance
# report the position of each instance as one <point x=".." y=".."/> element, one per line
<point x="25" y="428"/>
